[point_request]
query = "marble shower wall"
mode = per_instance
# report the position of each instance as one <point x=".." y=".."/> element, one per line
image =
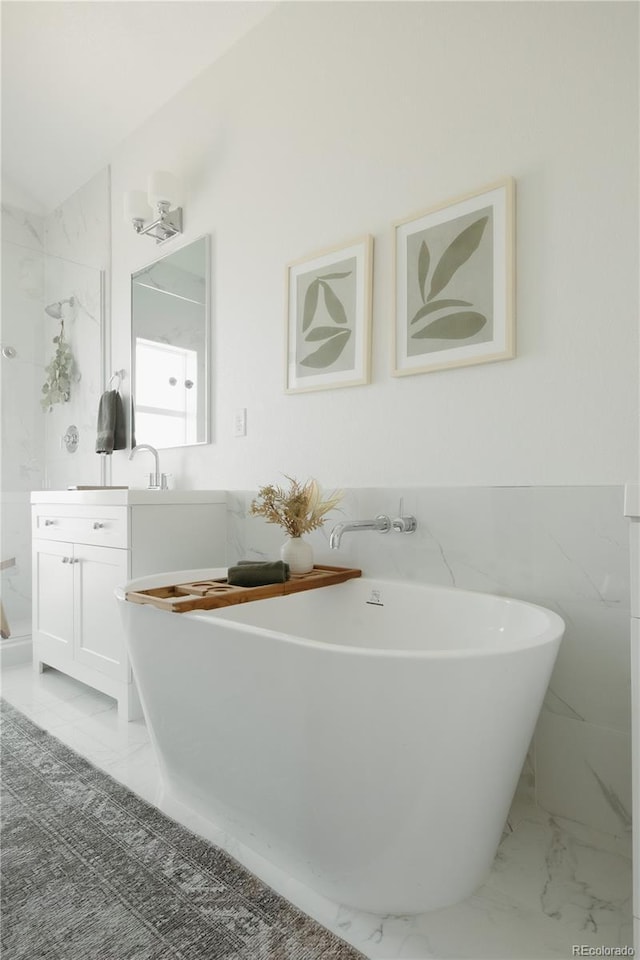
<point x="23" y="463"/>
<point x="77" y="241"/>
<point x="79" y="229"/>
<point x="563" y="547"/>
<point x="44" y="260"/>
<point x="83" y="332"/>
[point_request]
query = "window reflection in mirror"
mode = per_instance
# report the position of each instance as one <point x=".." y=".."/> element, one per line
<point x="170" y="337"/>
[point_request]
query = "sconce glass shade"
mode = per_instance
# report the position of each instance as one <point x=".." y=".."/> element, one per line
<point x="136" y="206"/>
<point x="163" y="187"/>
<point x="157" y="213"/>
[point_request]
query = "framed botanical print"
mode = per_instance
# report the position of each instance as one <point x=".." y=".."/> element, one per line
<point x="454" y="283"/>
<point x="328" y="334"/>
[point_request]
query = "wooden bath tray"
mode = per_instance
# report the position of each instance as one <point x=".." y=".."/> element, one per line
<point x="209" y="594"/>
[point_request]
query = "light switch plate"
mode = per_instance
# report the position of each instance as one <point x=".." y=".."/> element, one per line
<point x="240" y="422"/>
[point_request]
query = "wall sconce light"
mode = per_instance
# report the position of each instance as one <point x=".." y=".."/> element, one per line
<point x="160" y="205"/>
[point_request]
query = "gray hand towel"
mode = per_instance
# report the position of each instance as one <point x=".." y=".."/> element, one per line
<point x="111" y="426"/>
<point x="247" y="574"/>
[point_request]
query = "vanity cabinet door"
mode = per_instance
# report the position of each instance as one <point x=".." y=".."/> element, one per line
<point x="99" y="637"/>
<point x="53" y="575"/>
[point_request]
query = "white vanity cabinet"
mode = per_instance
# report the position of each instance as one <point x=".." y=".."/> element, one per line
<point x="85" y="544"/>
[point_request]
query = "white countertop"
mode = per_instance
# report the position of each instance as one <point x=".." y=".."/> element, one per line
<point x="124" y="497"/>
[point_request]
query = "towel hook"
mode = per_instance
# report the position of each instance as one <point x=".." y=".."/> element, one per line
<point x="120" y="374"/>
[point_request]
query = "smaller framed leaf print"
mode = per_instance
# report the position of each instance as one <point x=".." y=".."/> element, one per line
<point x="329" y="318"/>
<point x="454" y="283"/>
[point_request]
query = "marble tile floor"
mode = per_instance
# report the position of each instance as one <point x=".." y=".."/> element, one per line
<point x="556" y="885"/>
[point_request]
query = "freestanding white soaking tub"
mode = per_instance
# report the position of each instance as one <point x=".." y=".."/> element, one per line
<point x="366" y="738"/>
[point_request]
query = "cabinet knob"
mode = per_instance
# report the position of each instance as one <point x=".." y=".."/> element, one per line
<point x="98" y="525"/>
<point x="49" y="523"/>
<point x="66" y="559"/>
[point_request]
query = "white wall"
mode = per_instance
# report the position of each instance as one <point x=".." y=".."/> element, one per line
<point x="331" y="120"/>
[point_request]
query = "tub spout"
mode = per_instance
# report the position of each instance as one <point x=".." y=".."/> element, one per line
<point x="381" y="523"/>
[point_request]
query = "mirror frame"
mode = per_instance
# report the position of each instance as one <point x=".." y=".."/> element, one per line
<point x="207" y="344"/>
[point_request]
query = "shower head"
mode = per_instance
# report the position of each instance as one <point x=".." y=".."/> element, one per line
<point x="55" y="309"/>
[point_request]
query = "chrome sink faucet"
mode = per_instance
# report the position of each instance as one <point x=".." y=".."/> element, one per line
<point x="157" y="480"/>
<point x="382" y="524"/>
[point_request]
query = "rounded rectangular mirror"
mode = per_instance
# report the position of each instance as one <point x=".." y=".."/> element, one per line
<point x="170" y="348"/>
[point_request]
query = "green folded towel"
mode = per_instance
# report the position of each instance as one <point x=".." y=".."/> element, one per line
<point x="248" y="573"/>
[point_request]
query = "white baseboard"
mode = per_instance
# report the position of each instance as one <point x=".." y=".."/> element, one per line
<point x="15" y="652"/>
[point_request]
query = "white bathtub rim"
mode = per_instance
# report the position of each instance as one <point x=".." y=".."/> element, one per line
<point x="550" y="635"/>
<point x="547" y="637"/>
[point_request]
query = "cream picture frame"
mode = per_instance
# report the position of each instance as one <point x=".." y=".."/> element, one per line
<point x="454" y="282"/>
<point x="328" y="318"/>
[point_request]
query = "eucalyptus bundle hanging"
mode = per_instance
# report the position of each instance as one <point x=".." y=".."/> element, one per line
<point x="61" y="370"/>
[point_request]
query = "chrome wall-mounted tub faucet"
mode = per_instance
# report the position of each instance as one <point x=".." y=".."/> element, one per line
<point x="382" y="523"/>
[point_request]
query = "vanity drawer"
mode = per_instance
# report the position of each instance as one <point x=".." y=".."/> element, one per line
<point x="102" y="526"/>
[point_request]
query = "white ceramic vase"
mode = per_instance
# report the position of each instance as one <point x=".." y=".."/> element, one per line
<point x="298" y="553"/>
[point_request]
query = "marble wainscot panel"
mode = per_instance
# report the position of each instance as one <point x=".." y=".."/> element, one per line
<point x="563" y="547"/>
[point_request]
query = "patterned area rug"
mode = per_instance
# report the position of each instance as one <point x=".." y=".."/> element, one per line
<point x="92" y="872"/>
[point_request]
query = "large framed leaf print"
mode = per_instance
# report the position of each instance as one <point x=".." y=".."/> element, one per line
<point x="329" y="318"/>
<point x="454" y="283"/>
